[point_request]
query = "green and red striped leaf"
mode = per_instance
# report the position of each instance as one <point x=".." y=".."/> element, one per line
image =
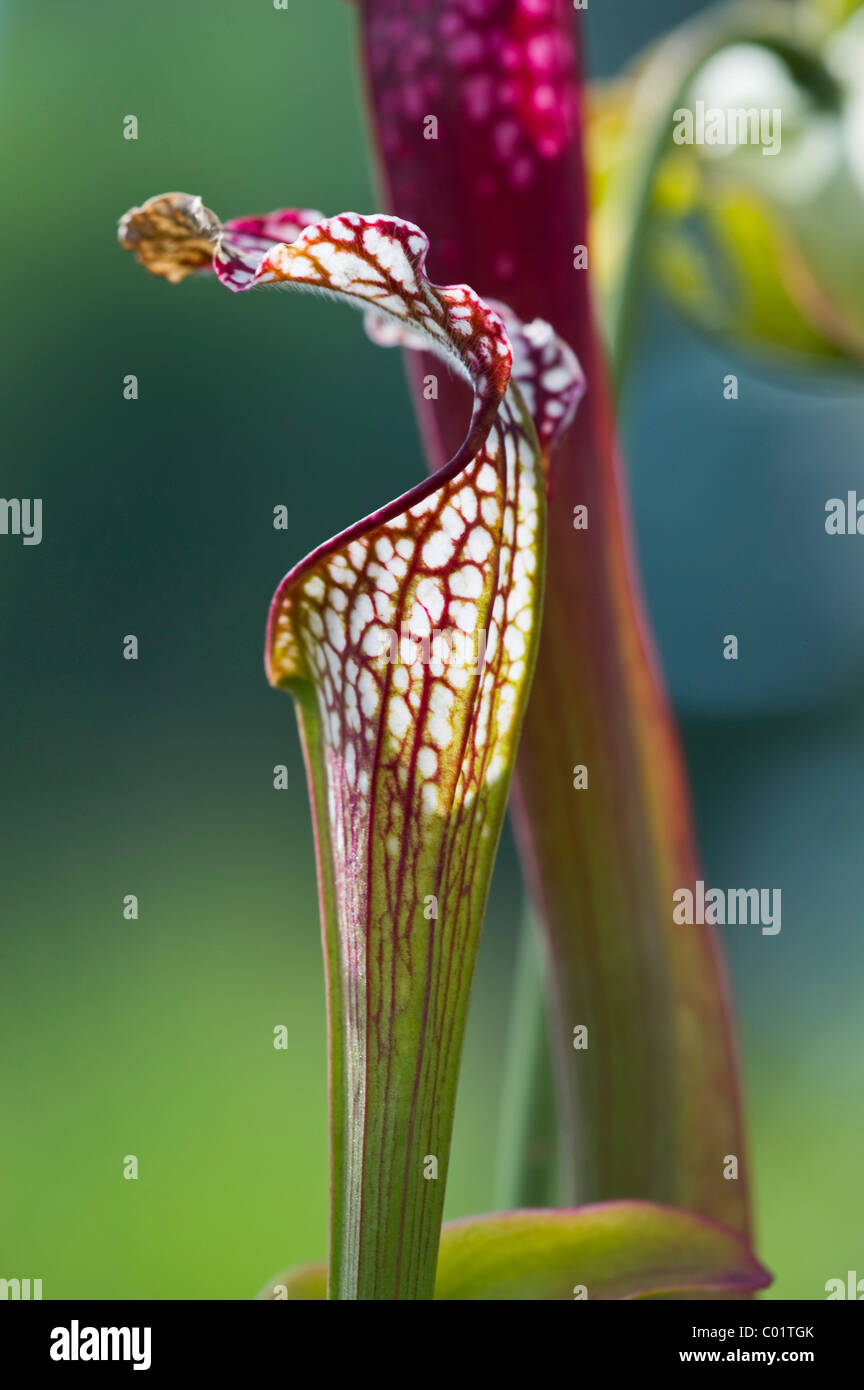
<point x="651" y="1108"/>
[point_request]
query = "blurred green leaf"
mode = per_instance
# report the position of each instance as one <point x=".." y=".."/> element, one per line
<point x="307" y="1284"/>
<point x="731" y="274"/>
<point x="836" y="12"/>
<point x="764" y="251"/>
<point x="615" y="1250"/>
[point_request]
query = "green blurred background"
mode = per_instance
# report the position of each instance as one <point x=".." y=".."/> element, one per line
<point x="154" y="777"/>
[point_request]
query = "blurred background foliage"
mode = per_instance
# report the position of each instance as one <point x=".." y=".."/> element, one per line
<point x="760" y="246"/>
<point x="155" y="1037"/>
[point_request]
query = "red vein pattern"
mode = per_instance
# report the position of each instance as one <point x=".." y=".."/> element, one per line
<point x="409" y="642"/>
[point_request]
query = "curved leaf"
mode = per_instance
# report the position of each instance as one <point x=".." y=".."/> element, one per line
<point x="616" y="1250"/>
<point x="306" y="1284"/>
<point x="408" y="642"/>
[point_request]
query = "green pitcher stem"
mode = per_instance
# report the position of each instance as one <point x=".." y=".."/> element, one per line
<point x="526" y="1170"/>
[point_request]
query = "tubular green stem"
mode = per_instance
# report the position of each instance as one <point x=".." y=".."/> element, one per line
<point x="529" y="1134"/>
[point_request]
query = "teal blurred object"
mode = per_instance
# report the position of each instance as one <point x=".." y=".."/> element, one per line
<point x="155" y="1037"/>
